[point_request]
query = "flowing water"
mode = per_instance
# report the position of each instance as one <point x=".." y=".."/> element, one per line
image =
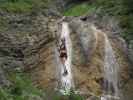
<point x="111" y="68"/>
<point x="66" y="80"/>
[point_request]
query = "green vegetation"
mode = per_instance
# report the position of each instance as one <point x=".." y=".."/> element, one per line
<point x="21" y="88"/>
<point x="20" y="6"/>
<point x="80" y="9"/>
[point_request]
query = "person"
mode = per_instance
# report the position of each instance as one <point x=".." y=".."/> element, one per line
<point x="62" y="50"/>
<point x="63" y="54"/>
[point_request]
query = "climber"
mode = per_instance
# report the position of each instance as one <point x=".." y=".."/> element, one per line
<point x="62" y="50"/>
<point x="63" y="54"/>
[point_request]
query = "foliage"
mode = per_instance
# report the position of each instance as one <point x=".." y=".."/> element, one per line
<point x="79" y="9"/>
<point x="20" y="6"/>
<point x="21" y="88"/>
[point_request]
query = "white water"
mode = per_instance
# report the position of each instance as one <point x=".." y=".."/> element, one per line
<point x="111" y="68"/>
<point x="66" y="80"/>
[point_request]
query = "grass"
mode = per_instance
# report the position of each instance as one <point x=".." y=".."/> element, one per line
<point x="80" y="9"/>
<point x="22" y="6"/>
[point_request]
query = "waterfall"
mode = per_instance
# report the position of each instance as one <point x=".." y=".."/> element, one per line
<point x="111" y="68"/>
<point x="66" y="81"/>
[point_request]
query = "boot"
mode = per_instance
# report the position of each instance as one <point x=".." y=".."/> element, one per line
<point x="65" y="71"/>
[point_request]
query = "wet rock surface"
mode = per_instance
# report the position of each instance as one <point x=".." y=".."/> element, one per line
<point x="28" y="43"/>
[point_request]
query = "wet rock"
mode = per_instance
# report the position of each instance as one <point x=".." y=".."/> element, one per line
<point x="22" y="41"/>
<point x="87" y="57"/>
<point x="87" y="37"/>
<point x="29" y="44"/>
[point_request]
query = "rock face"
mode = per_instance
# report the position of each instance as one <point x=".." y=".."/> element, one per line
<point x="28" y="43"/>
<point x="87" y="58"/>
<point x="22" y="40"/>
